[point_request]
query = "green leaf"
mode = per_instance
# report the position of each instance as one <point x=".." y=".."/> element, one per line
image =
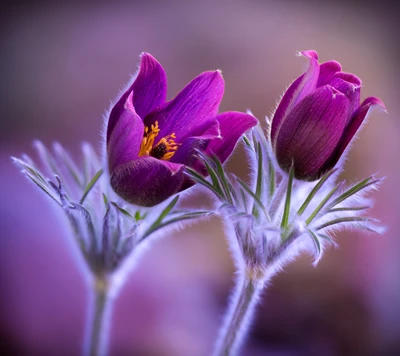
<point x="138" y="215"/>
<point x="353" y="190"/>
<point x="226" y="185"/>
<point x="44" y="187"/>
<point x="246" y="141"/>
<point x="354" y="208"/>
<point x="124" y="212"/>
<point x="316" y="241"/>
<point x="200" y="179"/>
<point x="187" y="216"/>
<point x="91" y="185"/>
<point x="343" y="220"/>
<point x="214" y="180"/>
<point x="105" y="200"/>
<point x="314" y="191"/>
<point x="286" y="211"/>
<point x="271" y="177"/>
<point x="322" y="204"/>
<point x="259" y="181"/>
<point x="166" y="211"/>
<point x="255" y="198"/>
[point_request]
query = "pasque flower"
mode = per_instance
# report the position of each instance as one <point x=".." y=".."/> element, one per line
<point x="150" y="141"/>
<point x="317" y="118"/>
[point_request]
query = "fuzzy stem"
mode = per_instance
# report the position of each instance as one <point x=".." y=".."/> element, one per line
<point x="239" y="316"/>
<point x="99" y="316"/>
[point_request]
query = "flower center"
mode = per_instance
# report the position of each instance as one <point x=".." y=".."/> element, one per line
<point x="164" y="149"/>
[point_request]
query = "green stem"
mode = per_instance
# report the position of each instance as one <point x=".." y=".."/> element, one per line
<point x="240" y="311"/>
<point x="99" y="318"/>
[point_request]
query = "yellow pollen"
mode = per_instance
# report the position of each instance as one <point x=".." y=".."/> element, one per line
<point x="164" y="149"/>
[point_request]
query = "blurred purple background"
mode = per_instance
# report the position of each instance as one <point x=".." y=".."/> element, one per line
<point x="62" y="63"/>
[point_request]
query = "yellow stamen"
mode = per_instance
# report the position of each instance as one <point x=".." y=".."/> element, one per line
<point x="164" y="149"/>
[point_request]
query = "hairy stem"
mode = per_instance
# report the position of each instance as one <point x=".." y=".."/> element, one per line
<point x="98" y="318"/>
<point x="238" y="317"/>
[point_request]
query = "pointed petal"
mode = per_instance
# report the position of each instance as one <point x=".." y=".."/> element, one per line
<point x="299" y="89"/>
<point x="351" y="129"/>
<point x="124" y="140"/>
<point x="311" y="132"/>
<point x="150" y="86"/>
<point x="232" y="125"/>
<point x="326" y="72"/>
<point x="147" y="181"/>
<point x="195" y="106"/>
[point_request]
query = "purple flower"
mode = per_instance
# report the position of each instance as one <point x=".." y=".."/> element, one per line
<point x="150" y="141"/>
<point x="317" y="118"/>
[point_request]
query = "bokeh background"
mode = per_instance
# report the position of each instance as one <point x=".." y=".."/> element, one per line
<point x="62" y="63"/>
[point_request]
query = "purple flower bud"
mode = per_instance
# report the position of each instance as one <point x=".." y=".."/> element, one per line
<point x="317" y="118"/>
<point x="151" y="140"/>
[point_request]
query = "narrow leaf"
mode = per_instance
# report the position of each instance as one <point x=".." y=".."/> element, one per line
<point x="188" y="216"/>
<point x="355" y="189"/>
<point x="200" y="179"/>
<point x="42" y="186"/>
<point x="226" y="185"/>
<point x="256" y="200"/>
<point x="259" y="177"/>
<point x="354" y="208"/>
<point x="314" y="191"/>
<point x="322" y="204"/>
<point x="124" y="212"/>
<point x="91" y="185"/>
<point x="286" y="211"/>
<point x="316" y="242"/>
<point x="343" y="220"/>
<point x="214" y="180"/>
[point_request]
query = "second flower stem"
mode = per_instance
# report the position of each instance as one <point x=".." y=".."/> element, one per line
<point x="238" y="317"/>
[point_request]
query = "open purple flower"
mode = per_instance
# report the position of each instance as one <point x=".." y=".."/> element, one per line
<point x="151" y="140"/>
<point x="317" y="118"/>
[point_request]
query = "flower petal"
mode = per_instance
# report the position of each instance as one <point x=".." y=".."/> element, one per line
<point x="352" y="92"/>
<point x="299" y="89"/>
<point x="125" y="138"/>
<point x="150" y="86"/>
<point x="186" y="153"/>
<point x="195" y="106"/>
<point x="351" y="129"/>
<point x="233" y="125"/>
<point x="326" y="72"/>
<point x="311" y="132"/>
<point x="147" y="181"/>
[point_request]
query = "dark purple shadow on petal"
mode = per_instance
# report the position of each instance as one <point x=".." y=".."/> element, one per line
<point x="311" y="132"/>
<point x="351" y="130"/>
<point x="195" y="106"/>
<point x="150" y="86"/>
<point x="299" y="89"/>
<point x="187" y="150"/>
<point x="147" y="181"/>
<point x="352" y="92"/>
<point x="326" y="72"/>
<point x="233" y="125"/>
<point x="124" y="142"/>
